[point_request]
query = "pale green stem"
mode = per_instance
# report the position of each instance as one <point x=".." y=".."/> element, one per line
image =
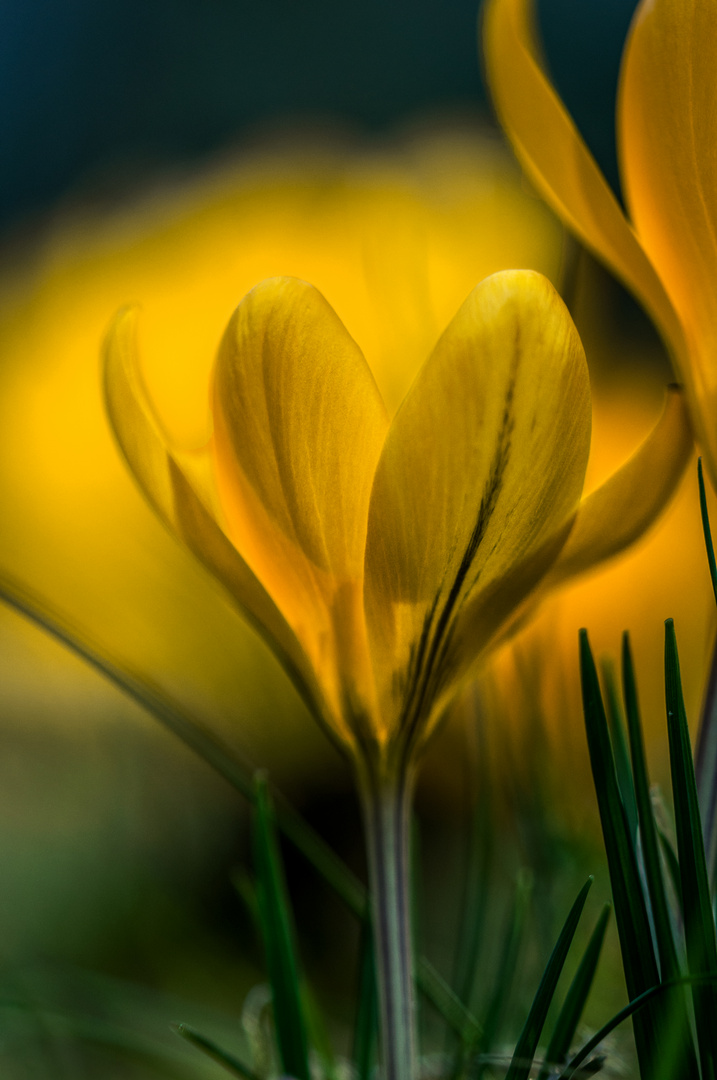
<point x="386" y="807"/>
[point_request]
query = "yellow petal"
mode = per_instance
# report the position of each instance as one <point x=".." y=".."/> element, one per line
<point x="483" y="464"/>
<point x="299" y="425"/>
<point x="163" y="475"/>
<point x="557" y="160"/>
<point x="621" y="509"/>
<point x="668" y="134"/>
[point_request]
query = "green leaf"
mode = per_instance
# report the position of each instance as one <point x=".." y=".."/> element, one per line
<point x="210" y="1048"/>
<point x="648" y="831"/>
<point x="697" y="907"/>
<point x="527" y="1044"/>
<point x="576" y="997"/>
<point x="681" y="1045"/>
<point x="706" y="528"/>
<point x="638" y="957"/>
<point x="673" y="867"/>
<point x="616" y="725"/>
<point x="274" y="913"/>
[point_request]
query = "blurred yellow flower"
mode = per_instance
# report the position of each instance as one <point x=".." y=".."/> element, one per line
<point x="381" y="558"/>
<point x="665" y="251"/>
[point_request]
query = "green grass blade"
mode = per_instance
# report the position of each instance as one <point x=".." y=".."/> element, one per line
<point x="365" y="1038"/>
<point x="442" y="997"/>
<point x="648" y="831"/>
<point x="706" y="748"/>
<point x="616" y="726"/>
<point x="637" y="1004"/>
<point x="639" y="963"/>
<point x="706" y="770"/>
<point x="507" y="969"/>
<point x="210" y="1048"/>
<point x="681" y="1045"/>
<point x="706" y="528"/>
<point x="673" y="868"/>
<point x="697" y="906"/>
<point x="576" y="997"/>
<point x="631" y="1009"/>
<point x="527" y="1044"/>
<point x="274" y="914"/>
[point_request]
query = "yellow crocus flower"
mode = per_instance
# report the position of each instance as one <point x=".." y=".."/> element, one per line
<point x="665" y="248"/>
<point x="382" y="557"/>
<point x="393" y="236"/>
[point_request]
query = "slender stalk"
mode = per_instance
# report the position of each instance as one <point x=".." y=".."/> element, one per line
<point x="386" y="807"/>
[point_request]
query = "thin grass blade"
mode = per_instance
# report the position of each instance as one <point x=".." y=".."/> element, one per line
<point x="576" y="997"/>
<point x="277" y="932"/>
<point x="210" y="1048"/>
<point x="618" y="738"/>
<point x="507" y="970"/>
<point x="681" y="1048"/>
<point x="706" y="747"/>
<point x="639" y="963"/>
<point x="527" y="1045"/>
<point x="706" y="528"/>
<point x="667" y="952"/>
<point x="236" y="770"/>
<point x="697" y="907"/>
<point x="462" y="1021"/>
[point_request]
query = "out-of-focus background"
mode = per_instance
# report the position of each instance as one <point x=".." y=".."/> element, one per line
<point x="174" y="154"/>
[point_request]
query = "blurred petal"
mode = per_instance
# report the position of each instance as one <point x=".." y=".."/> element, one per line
<point x="482" y="466"/>
<point x="558" y="162"/>
<point x="621" y="509"/>
<point x="163" y="475"/>
<point x="668" y="134"/>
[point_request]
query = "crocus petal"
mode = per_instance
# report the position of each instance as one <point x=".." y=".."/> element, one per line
<point x="667" y="135"/>
<point x="299" y="425"/>
<point x="483" y="465"/>
<point x="163" y="473"/>
<point x="618" y="512"/>
<point x="557" y="160"/>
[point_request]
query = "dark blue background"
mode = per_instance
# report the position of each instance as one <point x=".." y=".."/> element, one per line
<point x="101" y="93"/>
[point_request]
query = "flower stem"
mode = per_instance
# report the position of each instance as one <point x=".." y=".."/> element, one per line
<point x="386" y="806"/>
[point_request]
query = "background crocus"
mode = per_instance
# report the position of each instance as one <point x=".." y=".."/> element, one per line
<point x="664" y="247"/>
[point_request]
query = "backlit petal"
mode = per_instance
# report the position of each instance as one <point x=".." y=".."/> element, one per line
<point x="299" y="425"/>
<point x="618" y="512"/>
<point x="483" y="465"/>
<point x="164" y="476"/>
<point x="558" y="161"/>
<point x="668" y="135"/>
